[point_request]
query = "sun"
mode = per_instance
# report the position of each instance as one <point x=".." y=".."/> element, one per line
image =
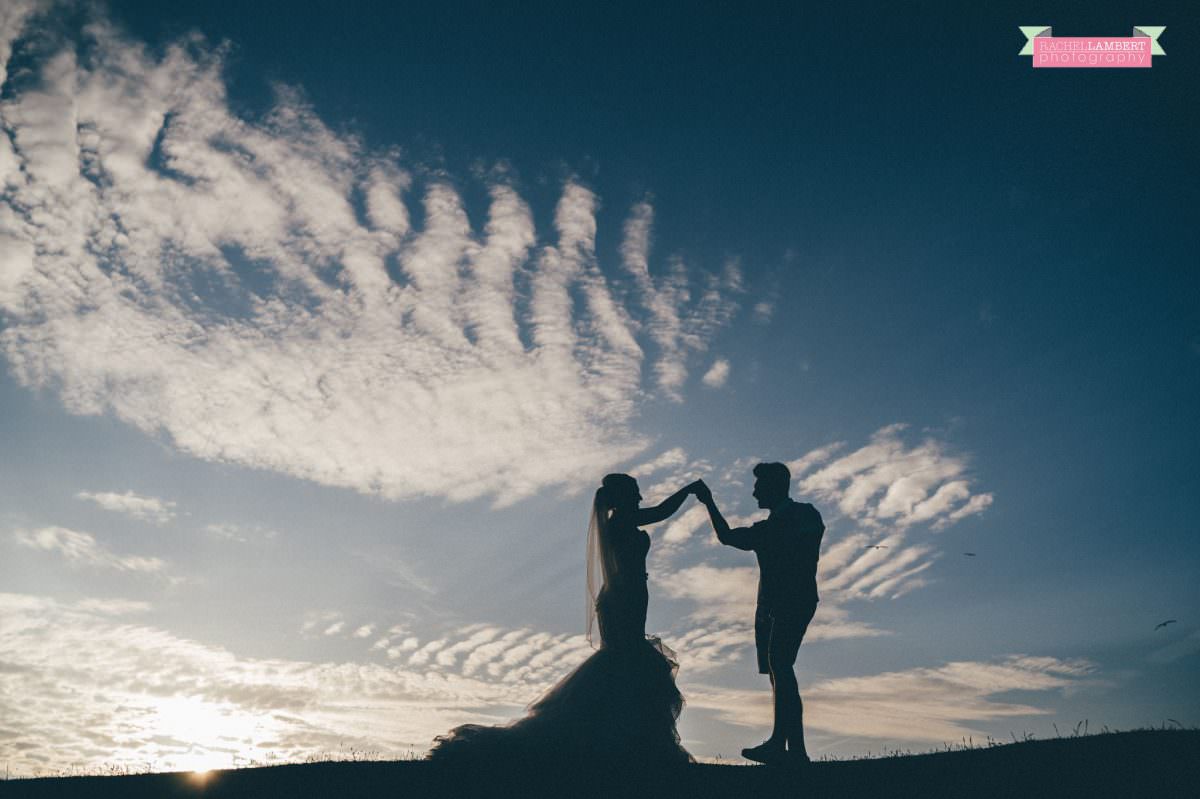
<point x="201" y="735"/>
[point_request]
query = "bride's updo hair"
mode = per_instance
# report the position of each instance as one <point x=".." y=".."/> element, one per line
<point x="615" y="487"/>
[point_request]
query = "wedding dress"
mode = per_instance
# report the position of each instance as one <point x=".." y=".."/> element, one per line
<point x="621" y="704"/>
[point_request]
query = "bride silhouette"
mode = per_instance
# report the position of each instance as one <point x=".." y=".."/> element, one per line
<point x="622" y="701"/>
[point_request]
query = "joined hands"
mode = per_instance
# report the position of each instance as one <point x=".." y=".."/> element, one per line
<point x="701" y="490"/>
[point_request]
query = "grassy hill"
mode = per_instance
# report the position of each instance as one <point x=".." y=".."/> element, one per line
<point x="1149" y="763"/>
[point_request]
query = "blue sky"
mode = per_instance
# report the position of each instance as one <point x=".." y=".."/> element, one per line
<point x="319" y="326"/>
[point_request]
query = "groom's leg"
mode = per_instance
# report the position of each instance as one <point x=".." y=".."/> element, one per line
<point x="763" y="627"/>
<point x="762" y="640"/>
<point x="787" y="633"/>
<point x="786" y="691"/>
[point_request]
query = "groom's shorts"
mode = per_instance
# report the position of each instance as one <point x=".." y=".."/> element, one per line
<point x="777" y="635"/>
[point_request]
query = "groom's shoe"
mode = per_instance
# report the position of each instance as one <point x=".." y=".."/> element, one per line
<point x="765" y="752"/>
<point x="798" y="759"/>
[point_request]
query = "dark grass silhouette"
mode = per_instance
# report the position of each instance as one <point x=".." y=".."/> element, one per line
<point x="1148" y="763"/>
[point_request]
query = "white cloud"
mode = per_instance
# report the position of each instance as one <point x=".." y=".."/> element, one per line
<point x="145" y="685"/>
<point x="111" y="607"/>
<point x="519" y="656"/>
<point x="685" y="525"/>
<point x="884" y="568"/>
<point x="976" y="504"/>
<point x="725" y="594"/>
<point x="671" y="459"/>
<point x="675" y="326"/>
<point x="180" y="704"/>
<point x="83" y="549"/>
<point x="890" y="483"/>
<point x="813" y="458"/>
<point x="422" y="655"/>
<point x="673" y="471"/>
<point x="724" y="599"/>
<point x="763" y="311"/>
<point x="449" y="656"/>
<point x="895" y="491"/>
<point x="394" y="569"/>
<point x="318" y="621"/>
<point x="150" y="509"/>
<point x="222" y="707"/>
<point x="707" y="647"/>
<point x="209" y="278"/>
<point x="720" y="633"/>
<point x="488" y="653"/>
<point x="835" y="554"/>
<point x="936" y="704"/>
<point x="241" y="533"/>
<point x="891" y="489"/>
<point x="407" y="645"/>
<point x="834" y="622"/>
<point x="917" y="706"/>
<point x="11" y="21"/>
<point x="717" y="374"/>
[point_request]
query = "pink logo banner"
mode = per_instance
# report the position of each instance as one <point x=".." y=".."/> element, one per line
<point x="1094" y="52"/>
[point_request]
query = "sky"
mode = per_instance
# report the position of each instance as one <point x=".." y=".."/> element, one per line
<point x="319" y="326"/>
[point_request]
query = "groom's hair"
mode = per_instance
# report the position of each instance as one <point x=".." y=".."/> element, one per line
<point x="774" y="475"/>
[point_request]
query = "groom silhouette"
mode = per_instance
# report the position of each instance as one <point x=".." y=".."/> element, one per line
<point x="787" y="543"/>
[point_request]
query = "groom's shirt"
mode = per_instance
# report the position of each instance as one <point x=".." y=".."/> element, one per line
<point x="787" y="544"/>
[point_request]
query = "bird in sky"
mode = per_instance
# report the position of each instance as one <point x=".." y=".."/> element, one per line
<point x="969" y="554"/>
<point x="1164" y="623"/>
<point x="875" y="546"/>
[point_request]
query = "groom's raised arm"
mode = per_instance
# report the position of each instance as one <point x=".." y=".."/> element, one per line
<point x="737" y="537"/>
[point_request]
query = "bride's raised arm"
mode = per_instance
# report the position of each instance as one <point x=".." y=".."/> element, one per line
<point x="666" y="508"/>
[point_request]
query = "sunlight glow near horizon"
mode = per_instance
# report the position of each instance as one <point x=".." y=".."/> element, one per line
<point x="216" y="735"/>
